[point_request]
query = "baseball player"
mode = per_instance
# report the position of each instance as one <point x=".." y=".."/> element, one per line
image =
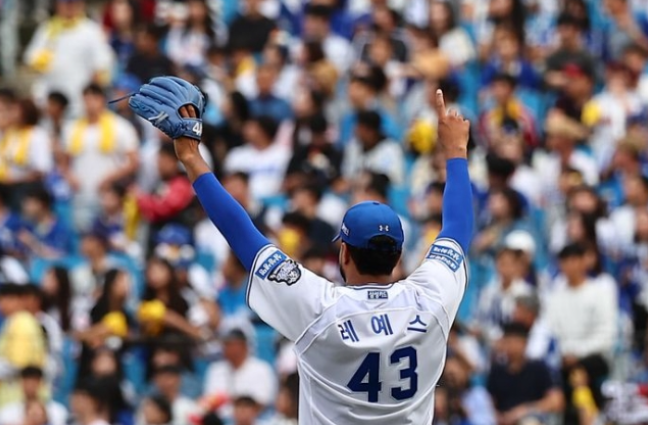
<point x="369" y="352"/>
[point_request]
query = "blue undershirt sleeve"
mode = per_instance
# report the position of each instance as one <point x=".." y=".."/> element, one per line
<point x="230" y="219"/>
<point x="458" y="218"/>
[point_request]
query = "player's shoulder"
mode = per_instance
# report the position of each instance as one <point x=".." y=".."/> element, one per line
<point x="447" y="252"/>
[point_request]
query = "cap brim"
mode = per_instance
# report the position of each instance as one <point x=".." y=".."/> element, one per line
<point x="337" y="237"/>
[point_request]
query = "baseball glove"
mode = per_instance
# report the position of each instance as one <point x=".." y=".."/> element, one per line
<point x="159" y="103"/>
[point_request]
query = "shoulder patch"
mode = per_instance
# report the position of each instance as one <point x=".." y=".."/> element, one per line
<point x="287" y="272"/>
<point x="446" y="255"/>
<point x="270" y="264"/>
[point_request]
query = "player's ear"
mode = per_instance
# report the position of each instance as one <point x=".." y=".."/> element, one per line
<point x="344" y="254"/>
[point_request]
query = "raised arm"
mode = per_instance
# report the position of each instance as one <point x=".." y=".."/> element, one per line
<point x="226" y="214"/>
<point x="457" y="198"/>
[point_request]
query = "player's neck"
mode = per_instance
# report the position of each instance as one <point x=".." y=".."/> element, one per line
<point x="365" y="279"/>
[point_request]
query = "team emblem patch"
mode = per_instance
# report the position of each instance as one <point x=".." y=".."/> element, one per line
<point x="287" y="272"/>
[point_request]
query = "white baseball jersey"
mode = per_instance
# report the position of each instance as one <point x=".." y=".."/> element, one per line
<point x="366" y="354"/>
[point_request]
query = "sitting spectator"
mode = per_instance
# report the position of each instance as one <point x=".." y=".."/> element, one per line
<point x="167" y="381"/>
<point x="521" y="388"/>
<point x="163" y="310"/>
<point x="188" y="39"/>
<point x="251" y="28"/>
<point x="116" y="221"/>
<point x="261" y="158"/>
<point x="454" y="40"/>
<point x="31" y="381"/>
<point x="104" y="150"/>
<point x="240" y="374"/>
<point x="497" y="300"/>
<point x="148" y="61"/>
<point x="167" y="353"/>
<point x="68" y="51"/>
<point x="44" y="235"/>
<point x="541" y="344"/>
<point x="266" y="103"/>
<point x="10" y="223"/>
<point x="287" y="404"/>
<point x="169" y="201"/>
<point x="25" y="150"/>
<point x="507" y="107"/>
<point x="317" y="27"/>
<point x="306" y="200"/>
<point x="55" y="117"/>
<point x="233" y="291"/>
<point x="22" y="341"/>
<point x="108" y="318"/>
<point x="623" y="219"/>
<point x="583" y="316"/>
<point x="373" y="151"/>
<point x="470" y="403"/>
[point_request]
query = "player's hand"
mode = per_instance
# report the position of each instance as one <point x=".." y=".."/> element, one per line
<point x="186" y="147"/>
<point x="453" y="129"/>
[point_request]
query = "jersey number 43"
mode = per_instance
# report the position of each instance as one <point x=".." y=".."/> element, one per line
<point x="367" y="377"/>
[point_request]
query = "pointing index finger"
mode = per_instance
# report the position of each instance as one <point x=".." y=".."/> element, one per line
<point x="440" y="104"/>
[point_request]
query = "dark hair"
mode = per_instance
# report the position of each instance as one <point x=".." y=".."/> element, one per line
<point x="318" y="98"/>
<point x="315" y="252"/>
<point x="514" y="199"/>
<point x="152" y="30"/>
<point x="63" y="296"/>
<point x="452" y="19"/>
<point x="177" y="302"/>
<point x="437" y="186"/>
<point x="378" y="183"/>
<point x="318" y="11"/>
<point x="377" y="261"/>
<point x="208" y="22"/>
<point x="369" y="119"/>
<point x="499" y="166"/>
<point x="40" y="194"/>
<point x="240" y="175"/>
<point x="31" y="372"/>
<point x="503" y="77"/>
<point x="318" y="124"/>
<point x="30" y="114"/>
<point x="167" y="149"/>
<point x="297" y="220"/>
<point x="588" y="221"/>
<point x="572" y="250"/>
<point x="314" y="51"/>
<point x="373" y="77"/>
<point x="94" y="89"/>
<point x="8" y="95"/>
<point x="291" y="385"/>
<point x="240" y="106"/>
<point x="59" y="98"/>
<point x="103" y="304"/>
<point x="268" y="125"/>
<point x="567" y="19"/>
<point x="11" y="289"/>
<point x="515" y="329"/>
<point x="245" y="400"/>
<point x="315" y="191"/>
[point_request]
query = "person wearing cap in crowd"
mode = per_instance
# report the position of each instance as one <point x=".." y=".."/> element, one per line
<point x="22" y="341"/>
<point x="372" y="150"/>
<point x="31" y="382"/>
<point x="104" y="149"/>
<point x="583" y="316"/>
<point x="522" y="388"/>
<point x="541" y="344"/>
<point x="69" y="51"/>
<point x="166" y="382"/>
<point x="240" y="374"/>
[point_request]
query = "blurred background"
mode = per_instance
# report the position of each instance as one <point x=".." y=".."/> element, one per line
<point x="122" y="304"/>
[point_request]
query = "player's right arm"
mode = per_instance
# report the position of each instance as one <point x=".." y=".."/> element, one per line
<point x="283" y="293"/>
<point x="443" y="271"/>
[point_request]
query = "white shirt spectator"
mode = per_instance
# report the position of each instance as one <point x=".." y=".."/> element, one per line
<point x="266" y="167"/>
<point x="14" y="414"/>
<point x="38" y="155"/>
<point x="386" y="158"/>
<point x="254" y="378"/>
<point x="583" y="319"/>
<point x="623" y="221"/>
<point x="92" y="163"/>
<point x="457" y="46"/>
<point x="77" y="54"/>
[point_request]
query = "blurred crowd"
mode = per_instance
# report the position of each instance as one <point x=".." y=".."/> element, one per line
<point x="122" y="304"/>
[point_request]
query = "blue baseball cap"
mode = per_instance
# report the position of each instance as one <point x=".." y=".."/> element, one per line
<point x="366" y="220"/>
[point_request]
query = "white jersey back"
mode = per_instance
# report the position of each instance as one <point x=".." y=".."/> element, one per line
<point x="366" y="354"/>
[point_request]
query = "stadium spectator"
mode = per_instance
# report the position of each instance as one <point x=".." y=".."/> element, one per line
<point x="240" y="374"/>
<point x="156" y="410"/>
<point x="88" y="405"/>
<point x="287" y="401"/>
<point x="69" y="51"/>
<point x="583" y="317"/>
<point x="251" y="28"/>
<point x="44" y="234"/>
<point x="148" y="61"/>
<point x="372" y="150"/>
<point x="261" y="158"/>
<point x="454" y="41"/>
<point x="32" y="384"/>
<point x="22" y="341"/>
<point x="103" y="147"/>
<point x="266" y="103"/>
<point x="167" y="381"/>
<point x="55" y="116"/>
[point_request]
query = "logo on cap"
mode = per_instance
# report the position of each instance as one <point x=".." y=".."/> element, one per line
<point x="345" y="229"/>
